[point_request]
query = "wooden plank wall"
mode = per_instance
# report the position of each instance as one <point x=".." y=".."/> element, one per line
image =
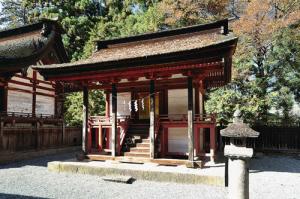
<point x="30" y="138"/>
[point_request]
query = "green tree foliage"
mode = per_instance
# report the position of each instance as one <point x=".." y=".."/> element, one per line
<point x="73" y="106"/>
<point x="14" y="13"/>
<point x="266" y="63"/>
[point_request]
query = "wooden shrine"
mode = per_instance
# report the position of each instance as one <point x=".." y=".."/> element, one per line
<point x="30" y="106"/>
<point x="155" y="85"/>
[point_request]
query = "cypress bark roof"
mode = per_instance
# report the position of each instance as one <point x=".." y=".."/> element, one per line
<point x="144" y="49"/>
<point x="24" y="46"/>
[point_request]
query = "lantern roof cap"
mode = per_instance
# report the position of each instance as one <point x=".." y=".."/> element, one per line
<point x="238" y="129"/>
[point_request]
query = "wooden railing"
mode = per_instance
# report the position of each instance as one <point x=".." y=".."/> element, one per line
<point x="103" y="120"/>
<point x="156" y="128"/>
<point x="25" y="115"/>
<point x="122" y="124"/>
<point x="183" y="118"/>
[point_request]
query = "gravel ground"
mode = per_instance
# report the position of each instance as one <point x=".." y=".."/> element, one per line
<point x="271" y="177"/>
<point x="30" y="179"/>
<point x="275" y="177"/>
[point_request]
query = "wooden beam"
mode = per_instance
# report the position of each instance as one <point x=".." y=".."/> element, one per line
<point x="152" y="119"/>
<point x="114" y="127"/>
<point x="85" y="119"/>
<point x="141" y="71"/>
<point x="190" y="121"/>
<point x="34" y="93"/>
<point x="39" y="81"/>
<point x="31" y="85"/>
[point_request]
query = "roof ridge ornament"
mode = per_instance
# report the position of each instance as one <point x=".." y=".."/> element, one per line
<point x="45" y="30"/>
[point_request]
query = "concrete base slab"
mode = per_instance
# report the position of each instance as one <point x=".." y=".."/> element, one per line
<point x="213" y="175"/>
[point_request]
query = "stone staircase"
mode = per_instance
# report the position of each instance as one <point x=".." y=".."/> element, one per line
<point x="138" y="131"/>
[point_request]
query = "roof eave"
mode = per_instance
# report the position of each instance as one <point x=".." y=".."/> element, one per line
<point x="217" y="50"/>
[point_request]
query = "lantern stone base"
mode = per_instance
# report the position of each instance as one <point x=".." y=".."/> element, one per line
<point x="238" y="178"/>
<point x="238" y="169"/>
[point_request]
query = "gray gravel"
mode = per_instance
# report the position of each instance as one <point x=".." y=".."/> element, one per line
<point x="30" y="179"/>
<point x="275" y="177"/>
<point x="270" y="177"/>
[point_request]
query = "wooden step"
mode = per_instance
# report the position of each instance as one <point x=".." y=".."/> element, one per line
<point x="147" y="140"/>
<point x="140" y="149"/>
<point x="143" y="145"/>
<point x="136" y="154"/>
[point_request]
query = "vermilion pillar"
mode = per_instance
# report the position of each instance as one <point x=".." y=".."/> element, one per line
<point x="114" y="127"/>
<point x="152" y="119"/>
<point x="190" y="122"/>
<point x="107" y="106"/>
<point x="212" y="143"/>
<point x="85" y="110"/>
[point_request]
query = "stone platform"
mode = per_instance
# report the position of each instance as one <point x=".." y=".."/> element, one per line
<point x="211" y="174"/>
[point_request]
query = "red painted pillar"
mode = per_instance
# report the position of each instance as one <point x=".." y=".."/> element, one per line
<point x="100" y="138"/>
<point x="118" y="141"/>
<point x="197" y="105"/>
<point x="197" y="139"/>
<point x="89" y="145"/>
<point x="85" y="120"/>
<point x="107" y="105"/>
<point x="164" y="142"/>
<point x="212" y="143"/>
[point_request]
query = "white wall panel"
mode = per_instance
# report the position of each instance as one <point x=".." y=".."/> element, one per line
<point x="178" y="140"/>
<point x="19" y="102"/>
<point x="177" y="101"/>
<point x="45" y="105"/>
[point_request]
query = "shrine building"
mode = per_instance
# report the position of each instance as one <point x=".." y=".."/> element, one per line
<point x="155" y="85"/>
<point x="22" y="89"/>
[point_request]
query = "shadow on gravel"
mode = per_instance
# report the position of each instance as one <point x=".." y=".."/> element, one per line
<point x="289" y="164"/>
<point x="12" y="196"/>
<point x="40" y="161"/>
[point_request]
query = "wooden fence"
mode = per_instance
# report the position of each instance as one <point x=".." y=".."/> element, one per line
<point x="273" y="139"/>
<point x="27" y="138"/>
<point x="277" y="138"/>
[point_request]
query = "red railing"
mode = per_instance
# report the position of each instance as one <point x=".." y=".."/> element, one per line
<point x="122" y="124"/>
<point x="156" y="127"/>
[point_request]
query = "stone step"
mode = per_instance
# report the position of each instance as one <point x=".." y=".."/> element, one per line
<point x="136" y="154"/>
<point x="140" y="149"/>
<point x="143" y="145"/>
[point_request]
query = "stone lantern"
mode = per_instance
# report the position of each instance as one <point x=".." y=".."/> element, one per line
<point x="239" y="155"/>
